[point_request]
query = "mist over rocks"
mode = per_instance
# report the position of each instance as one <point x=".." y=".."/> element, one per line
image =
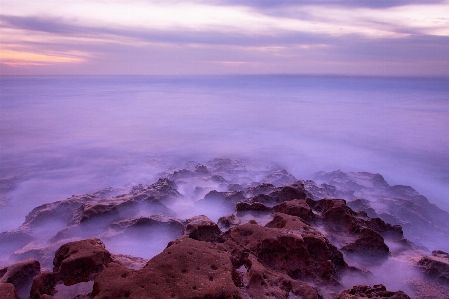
<point x="267" y="234"/>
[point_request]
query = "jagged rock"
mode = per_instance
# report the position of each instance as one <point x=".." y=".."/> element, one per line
<point x="43" y="284"/>
<point x="279" y="177"/>
<point x="369" y="243"/>
<point x="128" y="261"/>
<point x="229" y="198"/>
<point x="21" y="275"/>
<point x="360" y="204"/>
<point x="263" y="188"/>
<point x="7" y="291"/>
<point x="305" y="254"/>
<point x="261" y="282"/>
<point x="235" y="187"/>
<point x="201" y="228"/>
<point x="64" y="211"/>
<point x="80" y="261"/>
<point x="298" y="208"/>
<point x="436" y="265"/>
<point x="186" y="269"/>
<point x="164" y="189"/>
<point x="14" y="240"/>
<point x="424" y="223"/>
<point x="337" y="213"/>
<point x="159" y="221"/>
<point x="201" y="170"/>
<point x="377" y="291"/>
<point x="315" y="191"/>
<point x="288" y="192"/>
<point x="243" y="206"/>
<point x="228" y="221"/>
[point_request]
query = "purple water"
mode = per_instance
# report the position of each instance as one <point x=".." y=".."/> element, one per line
<point x="71" y="135"/>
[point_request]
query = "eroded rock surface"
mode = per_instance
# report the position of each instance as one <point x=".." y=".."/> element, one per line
<point x="186" y="269"/>
<point x="377" y="291"/>
<point x="436" y="265"/>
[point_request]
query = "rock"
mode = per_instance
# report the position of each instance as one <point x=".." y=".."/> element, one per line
<point x="21" y="275"/>
<point x="436" y="265"/>
<point x="43" y="284"/>
<point x="80" y="261"/>
<point x="164" y="190"/>
<point x="7" y="291"/>
<point x="298" y="208"/>
<point x="315" y="191"/>
<point x="128" y="261"/>
<point x="303" y="254"/>
<point x="279" y="177"/>
<point x="228" y="199"/>
<point x="377" y="291"/>
<point x="13" y="240"/>
<point x="263" y="188"/>
<point x="186" y="269"/>
<point x="201" y="169"/>
<point x="228" y="221"/>
<point x="243" y="206"/>
<point x="235" y="187"/>
<point x="288" y="192"/>
<point x="161" y="222"/>
<point x="201" y="228"/>
<point x="369" y="244"/>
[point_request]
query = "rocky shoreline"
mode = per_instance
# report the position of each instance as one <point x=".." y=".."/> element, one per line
<point x="228" y="229"/>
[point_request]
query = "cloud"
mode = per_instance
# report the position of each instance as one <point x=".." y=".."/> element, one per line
<point x="378" y="4"/>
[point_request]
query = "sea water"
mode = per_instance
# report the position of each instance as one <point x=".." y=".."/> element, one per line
<point x="67" y="135"/>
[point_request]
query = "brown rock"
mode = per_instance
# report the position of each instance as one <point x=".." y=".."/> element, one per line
<point x="21" y="275"/>
<point x="228" y="221"/>
<point x="186" y="269"/>
<point x="80" y="261"/>
<point x="302" y="254"/>
<point x="201" y="228"/>
<point x="436" y="265"/>
<point x="377" y="291"/>
<point x="369" y="243"/>
<point x="288" y="192"/>
<point x="297" y="208"/>
<point x="337" y="214"/>
<point x="43" y="284"/>
<point x="7" y="291"/>
<point x="260" y="282"/>
<point x="243" y="206"/>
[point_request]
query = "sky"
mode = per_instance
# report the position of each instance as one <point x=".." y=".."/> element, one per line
<point x="134" y="37"/>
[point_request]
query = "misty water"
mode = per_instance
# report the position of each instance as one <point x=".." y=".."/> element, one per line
<point x="72" y="135"/>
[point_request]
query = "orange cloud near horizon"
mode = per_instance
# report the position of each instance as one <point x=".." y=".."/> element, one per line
<point x="18" y="58"/>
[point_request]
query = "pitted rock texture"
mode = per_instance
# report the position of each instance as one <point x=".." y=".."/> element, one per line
<point x="436" y="265"/>
<point x="201" y="228"/>
<point x="298" y="208"/>
<point x="20" y="275"/>
<point x="377" y="291"/>
<point x="80" y="261"/>
<point x="286" y="245"/>
<point x="186" y="269"/>
<point x="7" y="291"/>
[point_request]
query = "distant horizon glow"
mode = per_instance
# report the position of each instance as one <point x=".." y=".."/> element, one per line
<point x="410" y="38"/>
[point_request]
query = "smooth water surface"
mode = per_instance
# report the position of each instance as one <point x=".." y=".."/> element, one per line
<point x="70" y="135"/>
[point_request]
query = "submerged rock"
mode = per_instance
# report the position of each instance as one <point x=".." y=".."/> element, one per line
<point x="377" y="291"/>
<point x="436" y="265"/>
<point x="20" y="275"/>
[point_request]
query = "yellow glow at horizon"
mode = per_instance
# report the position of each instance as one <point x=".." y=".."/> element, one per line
<point x="16" y="57"/>
<point x="178" y="15"/>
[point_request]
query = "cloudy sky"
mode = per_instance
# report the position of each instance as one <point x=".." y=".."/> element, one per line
<point x="367" y="37"/>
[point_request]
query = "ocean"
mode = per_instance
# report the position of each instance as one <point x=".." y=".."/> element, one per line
<point x="67" y="135"/>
